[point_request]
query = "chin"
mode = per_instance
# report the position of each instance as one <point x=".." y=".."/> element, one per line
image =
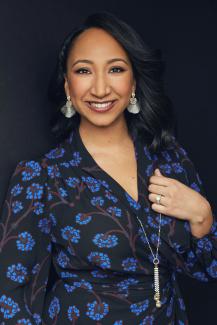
<point x="102" y="121"/>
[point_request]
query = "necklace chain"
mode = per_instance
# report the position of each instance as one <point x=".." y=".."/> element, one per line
<point x="155" y="262"/>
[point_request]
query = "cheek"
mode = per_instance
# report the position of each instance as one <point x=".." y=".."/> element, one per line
<point x="79" y="86"/>
<point x="122" y="86"/>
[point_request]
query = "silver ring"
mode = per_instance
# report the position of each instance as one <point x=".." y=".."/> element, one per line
<point x="158" y="198"/>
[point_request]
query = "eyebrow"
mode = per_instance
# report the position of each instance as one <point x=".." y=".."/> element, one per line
<point x="91" y="62"/>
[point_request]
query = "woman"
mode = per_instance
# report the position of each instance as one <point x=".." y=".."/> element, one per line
<point x="115" y="227"/>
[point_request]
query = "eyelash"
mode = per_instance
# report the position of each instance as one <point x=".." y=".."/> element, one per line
<point x="83" y="69"/>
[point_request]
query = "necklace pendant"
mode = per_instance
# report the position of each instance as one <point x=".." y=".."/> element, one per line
<point x="158" y="303"/>
<point x="156" y="283"/>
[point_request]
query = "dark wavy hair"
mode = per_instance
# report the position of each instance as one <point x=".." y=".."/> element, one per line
<point x="156" y="121"/>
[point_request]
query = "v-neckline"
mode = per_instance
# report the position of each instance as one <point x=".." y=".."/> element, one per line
<point x="112" y="182"/>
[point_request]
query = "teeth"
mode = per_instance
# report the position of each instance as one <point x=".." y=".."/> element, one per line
<point x="103" y="105"/>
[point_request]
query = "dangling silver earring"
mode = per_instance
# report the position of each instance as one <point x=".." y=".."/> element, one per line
<point x="68" y="110"/>
<point x="133" y="107"/>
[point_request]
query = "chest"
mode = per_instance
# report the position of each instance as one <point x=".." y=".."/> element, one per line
<point x="122" y="169"/>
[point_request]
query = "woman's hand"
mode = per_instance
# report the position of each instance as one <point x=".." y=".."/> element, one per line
<point x="180" y="201"/>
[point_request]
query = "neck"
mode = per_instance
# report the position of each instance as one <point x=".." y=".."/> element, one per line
<point x="110" y="137"/>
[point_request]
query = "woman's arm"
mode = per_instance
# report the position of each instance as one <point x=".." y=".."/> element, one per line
<point x="25" y="245"/>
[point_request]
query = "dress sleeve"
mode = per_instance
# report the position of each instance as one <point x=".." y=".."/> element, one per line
<point x="195" y="257"/>
<point x="25" y="245"/>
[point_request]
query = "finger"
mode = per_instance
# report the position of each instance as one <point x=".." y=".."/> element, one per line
<point x="159" y="208"/>
<point x="158" y="189"/>
<point x="163" y="201"/>
<point x="157" y="172"/>
<point x="159" y="180"/>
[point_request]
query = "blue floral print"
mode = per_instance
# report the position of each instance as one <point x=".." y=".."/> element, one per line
<point x="64" y="209"/>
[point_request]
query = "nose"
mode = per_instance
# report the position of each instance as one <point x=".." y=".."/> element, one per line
<point x="100" y="87"/>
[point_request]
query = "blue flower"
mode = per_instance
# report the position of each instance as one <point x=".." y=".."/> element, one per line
<point x="25" y="242"/>
<point x="17" y="273"/>
<point x="16" y="190"/>
<point x="165" y="220"/>
<point x="76" y="159"/>
<point x="97" y="200"/>
<point x="139" y="307"/>
<point x="98" y="274"/>
<point x="148" y="320"/>
<point x="32" y="169"/>
<point x="100" y="259"/>
<point x="165" y="168"/>
<point x="37" y="319"/>
<point x="151" y="222"/>
<point x="62" y="192"/>
<point x="97" y="311"/>
<point x="70" y="233"/>
<point x="132" y="202"/>
<point x="55" y="153"/>
<point x="104" y="183"/>
<point x="68" y="275"/>
<point x="53" y="171"/>
<point x="54" y="308"/>
<point x="104" y="240"/>
<point x="113" y="209"/>
<point x="45" y="225"/>
<point x="129" y="264"/>
<point x="118" y="322"/>
<point x="16" y="206"/>
<point x="142" y="236"/>
<point x="110" y="196"/>
<point x="38" y="207"/>
<point x="34" y="191"/>
<point x="9" y="307"/>
<point x="177" y="167"/>
<point x="73" y="162"/>
<point x="62" y="259"/>
<point x="166" y="155"/>
<point x="212" y="269"/>
<point x="83" y="218"/>
<point x="53" y="219"/>
<point x="83" y="284"/>
<point x="205" y="243"/>
<point x="92" y="183"/>
<point x="124" y="285"/>
<point x="72" y="181"/>
<point x="24" y="321"/>
<point x="154" y="239"/>
<point x="69" y="288"/>
<point x="73" y="313"/>
<point x="178" y="248"/>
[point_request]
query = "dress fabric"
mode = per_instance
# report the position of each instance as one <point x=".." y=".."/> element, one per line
<point x="64" y="209"/>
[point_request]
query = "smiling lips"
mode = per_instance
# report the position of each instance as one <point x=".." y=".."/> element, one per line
<point x="101" y="107"/>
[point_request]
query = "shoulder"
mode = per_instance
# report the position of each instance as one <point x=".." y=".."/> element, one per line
<point x="41" y="165"/>
<point x="40" y="168"/>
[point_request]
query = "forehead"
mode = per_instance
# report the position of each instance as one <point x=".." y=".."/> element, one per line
<point x="96" y="44"/>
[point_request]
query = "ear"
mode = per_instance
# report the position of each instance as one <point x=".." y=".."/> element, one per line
<point x="66" y="86"/>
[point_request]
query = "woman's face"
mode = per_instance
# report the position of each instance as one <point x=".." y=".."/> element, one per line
<point x="103" y="74"/>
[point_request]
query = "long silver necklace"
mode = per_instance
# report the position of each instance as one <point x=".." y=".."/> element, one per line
<point x="155" y="260"/>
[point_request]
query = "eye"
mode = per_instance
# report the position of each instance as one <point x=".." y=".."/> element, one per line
<point x="118" y="68"/>
<point x="81" y="69"/>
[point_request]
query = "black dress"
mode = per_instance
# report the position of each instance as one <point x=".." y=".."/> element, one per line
<point x="64" y="209"/>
